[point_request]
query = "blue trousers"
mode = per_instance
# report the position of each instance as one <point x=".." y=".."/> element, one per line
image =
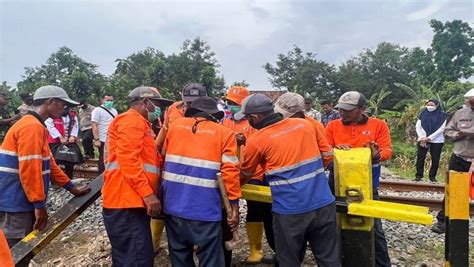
<point x="183" y="234"/>
<point x="130" y="236"/>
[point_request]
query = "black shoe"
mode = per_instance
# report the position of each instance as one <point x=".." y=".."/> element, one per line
<point x="417" y="179"/>
<point x="433" y="179"/>
<point x="439" y="228"/>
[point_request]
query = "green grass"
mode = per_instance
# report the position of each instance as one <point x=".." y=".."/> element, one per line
<point x="404" y="158"/>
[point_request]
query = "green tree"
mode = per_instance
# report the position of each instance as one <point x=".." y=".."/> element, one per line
<point x="373" y="70"/>
<point x="453" y="49"/>
<point x="194" y="63"/>
<point x="63" y="68"/>
<point x="302" y="73"/>
<point x="145" y="67"/>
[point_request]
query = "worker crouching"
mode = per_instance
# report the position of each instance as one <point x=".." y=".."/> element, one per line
<point x="197" y="148"/>
<point x="130" y="181"/>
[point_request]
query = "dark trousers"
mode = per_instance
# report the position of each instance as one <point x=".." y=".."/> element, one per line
<point x="183" y="234"/>
<point x="101" y="164"/>
<point x="87" y="138"/>
<point x="262" y="212"/>
<point x="318" y="227"/>
<point x="69" y="170"/>
<point x="130" y="236"/>
<point x="68" y="167"/>
<point x="380" y="242"/>
<point x="435" y="152"/>
<point x="455" y="164"/>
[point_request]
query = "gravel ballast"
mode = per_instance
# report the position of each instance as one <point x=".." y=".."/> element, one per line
<point x="85" y="241"/>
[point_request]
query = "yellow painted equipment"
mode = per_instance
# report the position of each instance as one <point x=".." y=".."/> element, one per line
<point x="257" y="193"/>
<point x="353" y="180"/>
<point x="353" y="171"/>
<point x="457" y="219"/>
<point x="391" y="211"/>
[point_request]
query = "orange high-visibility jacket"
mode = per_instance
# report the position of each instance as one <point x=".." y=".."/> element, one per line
<point x="358" y="135"/>
<point x="292" y="163"/>
<point x="26" y="166"/>
<point x="6" y="259"/>
<point x="196" y="150"/>
<point x="324" y="147"/>
<point x="174" y="112"/>
<point x="131" y="171"/>
<point x="243" y="127"/>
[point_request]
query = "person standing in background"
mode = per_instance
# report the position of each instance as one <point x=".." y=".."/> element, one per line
<point x="429" y="129"/>
<point x="101" y="117"/>
<point x="329" y="113"/>
<point x="309" y="111"/>
<point x="64" y="131"/>
<point x="85" y="114"/>
<point x="460" y="130"/>
<point x="27" y="104"/>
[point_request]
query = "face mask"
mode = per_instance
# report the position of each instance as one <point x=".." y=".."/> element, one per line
<point x="155" y="114"/>
<point x="430" y="108"/>
<point x="234" y="109"/>
<point x="84" y="106"/>
<point x="109" y="104"/>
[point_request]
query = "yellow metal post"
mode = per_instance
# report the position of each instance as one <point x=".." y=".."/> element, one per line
<point x="353" y="180"/>
<point x="457" y="219"/>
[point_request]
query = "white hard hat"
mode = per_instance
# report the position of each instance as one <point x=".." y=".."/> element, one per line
<point x="469" y="93"/>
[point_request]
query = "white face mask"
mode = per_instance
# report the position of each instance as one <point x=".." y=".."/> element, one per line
<point x="430" y="108"/>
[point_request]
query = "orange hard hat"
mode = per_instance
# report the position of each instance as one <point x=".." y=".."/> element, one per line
<point x="237" y="94"/>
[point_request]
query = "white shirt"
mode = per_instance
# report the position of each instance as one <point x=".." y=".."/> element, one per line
<point x="103" y="119"/>
<point x="437" y="137"/>
<point x="55" y="133"/>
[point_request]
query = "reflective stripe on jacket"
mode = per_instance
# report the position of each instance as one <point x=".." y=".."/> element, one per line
<point x="131" y="165"/>
<point x="192" y="161"/>
<point x="26" y="167"/>
<point x="294" y="171"/>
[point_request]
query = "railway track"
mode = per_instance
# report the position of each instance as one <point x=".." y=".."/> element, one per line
<point x="89" y="171"/>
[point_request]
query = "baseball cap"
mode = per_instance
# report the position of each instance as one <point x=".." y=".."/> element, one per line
<point x="470" y="93"/>
<point x="26" y="96"/>
<point x="350" y="100"/>
<point x="204" y="104"/>
<point x="192" y="91"/>
<point x="237" y="94"/>
<point x="289" y="103"/>
<point x="51" y="91"/>
<point x="252" y="104"/>
<point x="148" y="92"/>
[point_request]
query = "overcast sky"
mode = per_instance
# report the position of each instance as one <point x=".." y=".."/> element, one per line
<point x="244" y="34"/>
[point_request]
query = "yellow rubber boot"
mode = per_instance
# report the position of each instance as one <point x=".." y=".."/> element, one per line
<point x="157" y="227"/>
<point x="255" y="234"/>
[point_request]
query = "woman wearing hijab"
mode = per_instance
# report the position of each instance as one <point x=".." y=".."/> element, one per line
<point x="429" y="128"/>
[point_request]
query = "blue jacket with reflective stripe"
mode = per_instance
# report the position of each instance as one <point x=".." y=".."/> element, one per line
<point x="12" y="195"/>
<point x="299" y="189"/>
<point x="191" y="192"/>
